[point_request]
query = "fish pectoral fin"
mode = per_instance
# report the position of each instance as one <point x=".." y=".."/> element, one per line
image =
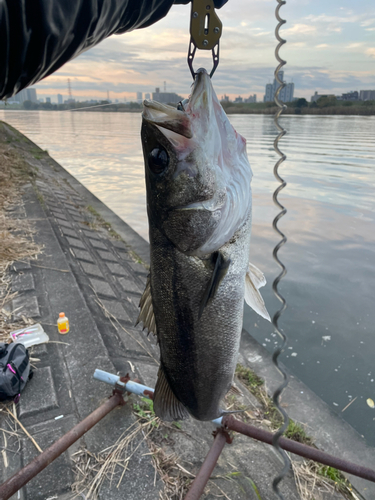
<point x="253" y="281"/>
<point x="146" y="314"/>
<point x="221" y="267"/>
<point x="166" y="405"/>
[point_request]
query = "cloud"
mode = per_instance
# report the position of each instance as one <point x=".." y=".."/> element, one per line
<point x="144" y="59"/>
<point x="303" y="29"/>
<point x="371" y="52"/>
<point x="324" y="18"/>
<point x="368" y="22"/>
<point x="355" y="45"/>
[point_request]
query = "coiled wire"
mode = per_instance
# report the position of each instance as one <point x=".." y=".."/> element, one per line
<point x="275" y="319"/>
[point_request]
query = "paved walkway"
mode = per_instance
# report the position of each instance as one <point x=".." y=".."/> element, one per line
<point x="97" y="280"/>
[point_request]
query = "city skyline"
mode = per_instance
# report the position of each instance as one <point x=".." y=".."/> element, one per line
<point x="330" y="49"/>
<point x="286" y="95"/>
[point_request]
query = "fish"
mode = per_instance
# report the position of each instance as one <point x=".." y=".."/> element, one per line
<point x="199" y="205"/>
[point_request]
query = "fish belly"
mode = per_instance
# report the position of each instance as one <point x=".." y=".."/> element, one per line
<point x="198" y="355"/>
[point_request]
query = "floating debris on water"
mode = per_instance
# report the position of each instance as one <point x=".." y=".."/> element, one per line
<point x="370" y="402"/>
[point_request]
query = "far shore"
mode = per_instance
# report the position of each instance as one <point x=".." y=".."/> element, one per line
<point x="366" y="108"/>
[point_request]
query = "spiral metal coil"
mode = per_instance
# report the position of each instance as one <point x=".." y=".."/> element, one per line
<point x="275" y="319"/>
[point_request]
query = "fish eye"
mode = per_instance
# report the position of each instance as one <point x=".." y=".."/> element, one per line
<point x="158" y="160"/>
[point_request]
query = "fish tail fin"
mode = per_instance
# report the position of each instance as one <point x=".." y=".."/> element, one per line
<point x="166" y="406"/>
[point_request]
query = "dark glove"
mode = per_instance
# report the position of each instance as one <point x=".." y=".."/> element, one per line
<point x="38" y="36"/>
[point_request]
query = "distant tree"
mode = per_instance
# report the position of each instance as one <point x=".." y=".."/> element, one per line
<point x="313" y="105"/>
<point x="301" y="103"/>
<point x="347" y="103"/>
<point x="326" y="101"/>
<point x="27" y="104"/>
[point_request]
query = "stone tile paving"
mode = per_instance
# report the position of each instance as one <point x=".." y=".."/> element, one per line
<point x="74" y="277"/>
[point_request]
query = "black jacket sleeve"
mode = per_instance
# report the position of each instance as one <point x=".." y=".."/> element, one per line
<point x="38" y="36"/>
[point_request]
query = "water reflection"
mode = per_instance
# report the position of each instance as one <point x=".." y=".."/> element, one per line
<point x="330" y="285"/>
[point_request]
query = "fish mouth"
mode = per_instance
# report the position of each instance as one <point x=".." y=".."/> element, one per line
<point x="179" y="120"/>
<point x="201" y="95"/>
<point x="210" y="205"/>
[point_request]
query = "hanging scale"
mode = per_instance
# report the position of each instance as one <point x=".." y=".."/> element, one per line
<point x="205" y="32"/>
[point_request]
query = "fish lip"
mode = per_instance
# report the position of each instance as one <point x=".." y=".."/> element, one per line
<point x="196" y="205"/>
<point x="209" y="205"/>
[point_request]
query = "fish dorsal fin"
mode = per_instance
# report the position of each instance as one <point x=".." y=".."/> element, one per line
<point x="220" y="270"/>
<point x="166" y="405"/>
<point x="253" y="281"/>
<point x="146" y="314"/>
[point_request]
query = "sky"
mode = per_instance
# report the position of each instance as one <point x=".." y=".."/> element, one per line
<point x="330" y="49"/>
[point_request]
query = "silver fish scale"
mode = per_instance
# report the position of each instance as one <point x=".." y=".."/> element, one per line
<point x="198" y="356"/>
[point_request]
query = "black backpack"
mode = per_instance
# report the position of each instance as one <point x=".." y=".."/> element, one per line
<point x="15" y="370"/>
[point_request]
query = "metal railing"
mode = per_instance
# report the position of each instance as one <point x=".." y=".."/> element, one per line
<point x="124" y="385"/>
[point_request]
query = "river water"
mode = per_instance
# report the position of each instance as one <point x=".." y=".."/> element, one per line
<point x="330" y="254"/>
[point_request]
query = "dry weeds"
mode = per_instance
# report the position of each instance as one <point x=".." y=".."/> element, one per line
<point x="16" y="241"/>
<point x="312" y="484"/>
<point x="111" y="464"/>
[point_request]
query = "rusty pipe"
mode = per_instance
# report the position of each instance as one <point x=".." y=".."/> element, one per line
<point x="302" y="450"/>
<point x="208" y="466"/>
<point x="23" y="476"/>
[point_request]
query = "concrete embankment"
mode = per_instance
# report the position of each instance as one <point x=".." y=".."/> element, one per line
<point x="94" y="268"/>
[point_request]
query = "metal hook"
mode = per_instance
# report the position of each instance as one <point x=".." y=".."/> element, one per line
<point x="191" y="54"/>
<point x="205" y="32"/>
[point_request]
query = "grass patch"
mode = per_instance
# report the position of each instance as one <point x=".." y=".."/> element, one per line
<point x="270" y="413"/>
<point x="39" y="196"/>
<point x="314" y="480"/>
<point x="38" y="153"/>
<point x="103" y="223"/>
<point x="296" y="432"/>
<point x="145" y="411"/>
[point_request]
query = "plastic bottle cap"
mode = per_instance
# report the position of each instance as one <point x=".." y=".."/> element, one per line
<point x="62" y="315"/>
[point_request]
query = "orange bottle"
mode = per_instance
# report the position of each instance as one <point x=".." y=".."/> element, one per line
<point x="63" y="323"/>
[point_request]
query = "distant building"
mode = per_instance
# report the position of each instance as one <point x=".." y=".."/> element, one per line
<point x="367" y="95"/>
<point x="251" y="98"/>
<point x="147" y="96"/>
<point x="316" y="96"/>
<point x="48" y="99"/>
<point x="238" y="99"/>
<point x="26" y="95"/>
<point x="225" y="98"/>
<point x="166" y="97"/>
<point x="59" y="99"/>
<point x="139" y="96"/>
<point x="350" y="96"/>
<point x="285" y="95"/>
